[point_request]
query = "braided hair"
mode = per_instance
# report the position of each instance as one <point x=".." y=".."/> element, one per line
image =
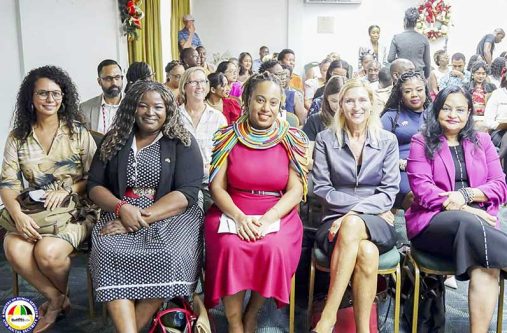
<point x="497" y="66"/>
<point x="124" y="122"/>
<point x="137" y="71"/>
<point x="395" y="100"/>
<point x="252" y="82"/>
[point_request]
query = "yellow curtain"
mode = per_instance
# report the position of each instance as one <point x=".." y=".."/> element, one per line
<point x="179" y="8"/>
<point x="148" y="47"/>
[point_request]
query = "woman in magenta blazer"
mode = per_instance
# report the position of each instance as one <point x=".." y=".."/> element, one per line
<point x="458" y="186"/>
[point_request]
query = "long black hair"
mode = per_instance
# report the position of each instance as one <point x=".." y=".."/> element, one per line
<point x="24" y="113"/>
<point x="432" y="130"/>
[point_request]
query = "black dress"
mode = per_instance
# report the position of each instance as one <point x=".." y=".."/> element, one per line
<point x="461" y="236"/>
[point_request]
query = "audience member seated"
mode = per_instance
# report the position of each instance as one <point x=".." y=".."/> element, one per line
<point x="403" y="116"/>
<point x="497" y="67"/>
<point x="218" y="97"/>
<point x="174" y="71"/>
<point x="479" y="88"/>
<point x="311" y="85"/>
<point x="459" y="186"/>
<point x="49" y="148"/>
<point x="411" y="45"/>
<point x="208" y="68"/>
<point x="201" y="120"/>
<point x="372" y="70"/>
<point x="293" y="101"/>
<point x="473" y="59"/>
<point x="230" y="70"/>
<point x="263" y="52"/>
<point x="288" y="57"/>
<point x="336" y="67"/>
<point x="365" y="61"/>
<point x="374" y="47"/>
<point x="400" y="66"/>
<point x="189" y="57"/>
<point x="245" y="66"/>
<point x="256" y="258"/>
<point x="99" y="111"/>
<point x="187" y="37"/>
<point x="356" y="176"/>
<point x="495" y="119"/>
<point x="138" y="71"/>
<point x="458" y="76"/>
<point x="441" y="59"/>
<point x="322" y="120"/>
<point x="145" y="177"/>
<point x="385" y="86"/>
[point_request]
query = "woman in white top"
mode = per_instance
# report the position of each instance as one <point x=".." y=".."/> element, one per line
<point x="495" y="118"/>
<point x="374" y="47"/>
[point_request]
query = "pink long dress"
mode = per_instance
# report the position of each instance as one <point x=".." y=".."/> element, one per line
<point x="266" y="265"/>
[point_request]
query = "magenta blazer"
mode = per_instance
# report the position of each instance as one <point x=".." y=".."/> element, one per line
<point x="428" y="178"/>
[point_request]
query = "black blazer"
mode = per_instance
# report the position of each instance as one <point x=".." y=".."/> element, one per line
<point x="182" y="170"/>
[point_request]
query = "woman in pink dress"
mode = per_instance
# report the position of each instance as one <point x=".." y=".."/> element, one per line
<point x="257" y="179"/>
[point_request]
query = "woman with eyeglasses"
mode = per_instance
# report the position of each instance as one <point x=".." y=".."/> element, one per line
<point x="218" y="97"/>
<point x="356" y="176"/>
<point x="200" y="119"/>
<point x="403" y="116"/>
<point x="146" y="175"/>
<point x="138" y="71"/>
<point x="257" y="178"/>
<point x="458" y="187"/>
<point x="50" y="148"/>
<point x="174" y="70"/>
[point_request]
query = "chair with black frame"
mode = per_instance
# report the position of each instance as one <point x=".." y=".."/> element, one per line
<point x="432" y="265"/>
<point x="389" y="264"/>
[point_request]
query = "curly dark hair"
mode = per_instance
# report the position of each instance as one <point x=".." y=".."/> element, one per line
<point x="432" y="130"/>
<point x="497" y="66"/>
<point x="124" y="122"/>
<point x="395" y="100"/>
<point x="24" y="114"/>
<point x="266" y="65"/>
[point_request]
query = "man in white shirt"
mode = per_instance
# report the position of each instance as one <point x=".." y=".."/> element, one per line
<point x="263" y="51"/>
<point x="100" y="111"/>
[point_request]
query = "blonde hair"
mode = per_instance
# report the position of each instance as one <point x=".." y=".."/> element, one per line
<point x="184" y="81"/>
<point x="373" y="124"/>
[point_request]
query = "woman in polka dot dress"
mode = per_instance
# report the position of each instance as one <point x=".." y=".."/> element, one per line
<point x="145" y="177"/>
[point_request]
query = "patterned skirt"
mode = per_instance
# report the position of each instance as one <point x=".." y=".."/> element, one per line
<point x="161" y="261"/>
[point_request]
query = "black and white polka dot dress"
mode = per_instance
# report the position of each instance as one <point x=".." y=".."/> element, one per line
<point x="161" y="261"/>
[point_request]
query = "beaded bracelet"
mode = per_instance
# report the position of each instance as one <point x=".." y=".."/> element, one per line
<point x="467" y="194"/>
<point x="118" y="206"/>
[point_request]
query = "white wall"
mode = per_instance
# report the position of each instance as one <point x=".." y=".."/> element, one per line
<point x="240" y="25"/>
<point x="73" y="34"/>
<point x="235" y="26"/>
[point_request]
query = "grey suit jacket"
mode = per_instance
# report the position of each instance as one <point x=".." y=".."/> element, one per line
<point x="342" y="189"/>
<point x="91" y="112"/>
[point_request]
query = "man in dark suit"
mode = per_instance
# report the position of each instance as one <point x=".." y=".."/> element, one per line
<point x="99" y="111"/>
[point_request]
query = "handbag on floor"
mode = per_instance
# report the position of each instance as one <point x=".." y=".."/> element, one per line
<point x="49" y="221"/>
<point x="178" y="316"/>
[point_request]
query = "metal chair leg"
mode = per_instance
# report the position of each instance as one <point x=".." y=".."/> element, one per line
<point x="397" y="300"/>
<point x="91" y="301"/>
<point x="499" y="315"/>
<point x="417" y="282"/>
<point x="311" y="291"/>
<point x="292" y="305"/>
<point x="15" y="283"/>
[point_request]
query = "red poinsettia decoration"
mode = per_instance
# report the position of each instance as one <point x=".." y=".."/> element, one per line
<point x="434" y="18"/>
<point x="132" y="18"/>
